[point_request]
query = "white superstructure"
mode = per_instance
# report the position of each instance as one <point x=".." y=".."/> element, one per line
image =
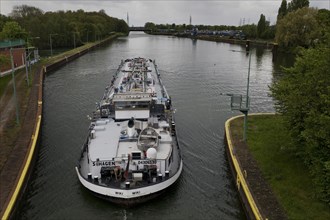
<point x="131" y="152"/>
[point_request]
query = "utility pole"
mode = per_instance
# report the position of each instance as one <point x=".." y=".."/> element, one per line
<point x="13" y="77"/>
<point x="237" y="101"/>
<point x="51" y="43"/>
<point x="246" y="110"/>
<point x="26" y="68"/>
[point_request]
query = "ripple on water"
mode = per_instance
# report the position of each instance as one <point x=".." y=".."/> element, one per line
<point x="196" y="74"/>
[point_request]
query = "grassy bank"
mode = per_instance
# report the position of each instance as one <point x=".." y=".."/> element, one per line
<point x="271" y="146"/>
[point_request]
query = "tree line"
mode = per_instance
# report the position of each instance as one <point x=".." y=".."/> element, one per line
<point x="302" y="95"/>
<point x="66" y="28"/>
<point x="250" y="30"/>
<point x="297" y="25"/>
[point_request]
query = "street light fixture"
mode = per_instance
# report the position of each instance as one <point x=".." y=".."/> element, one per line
<point x="237" y="102"/>
<point x="247" y="104"/>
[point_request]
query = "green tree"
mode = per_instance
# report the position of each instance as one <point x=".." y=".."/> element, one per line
<point x="3" y="21"/>
<point x="296" y="4"/>
<point x="323" y="18"/>
<point x="250" y="30"/>
<point x="68" y="26"/>
<point x="283" y="10"/>
<point x="261" y="27"/>
<point x="303" y="97"/>
<point x="12" y="30"/>
<point x="298" y="28"/>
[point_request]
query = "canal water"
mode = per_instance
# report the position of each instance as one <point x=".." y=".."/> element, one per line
<point x="196" y="74"/>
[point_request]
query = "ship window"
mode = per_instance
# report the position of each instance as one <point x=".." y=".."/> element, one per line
<point x="136" y="155"/>
<point x="132" y="105"/>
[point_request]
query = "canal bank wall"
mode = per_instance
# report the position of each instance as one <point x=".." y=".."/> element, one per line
<point x="220" y="39"/>
<point x="255" y="193"/>
<point x="255" y="43"/>
<point x="19" y="166"/>
<point x="249" y="204"/>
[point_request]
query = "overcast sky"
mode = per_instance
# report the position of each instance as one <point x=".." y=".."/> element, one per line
<point x="212" y="12"/>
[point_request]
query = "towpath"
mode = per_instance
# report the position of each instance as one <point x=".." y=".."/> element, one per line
<point x="14" y="148"/>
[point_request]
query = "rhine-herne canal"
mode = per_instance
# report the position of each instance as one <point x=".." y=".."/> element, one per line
<point x="195" y="74"/>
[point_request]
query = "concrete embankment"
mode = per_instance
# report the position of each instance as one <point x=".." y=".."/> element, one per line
<point x="248" y="201"/>
<point x="19" y="165"/>
<point x="216" y="38"/>
<point x="256" y="43"/>
<point x="256" y="195"/>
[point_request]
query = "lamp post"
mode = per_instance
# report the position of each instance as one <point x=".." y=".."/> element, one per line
<point x="14" y="86"/>
<point x="50" y="42"/>
<point x="27" y="55"/>
<point x="246" y="110"/>
<point x="237" y="102"/>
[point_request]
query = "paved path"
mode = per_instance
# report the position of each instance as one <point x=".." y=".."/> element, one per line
<point x="15" y="159"/>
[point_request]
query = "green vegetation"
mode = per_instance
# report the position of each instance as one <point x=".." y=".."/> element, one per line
<point x="12" y="30"/>
<point x="250" y="30"/>
<point x="4" y="82"/>
<point x="68" y="29"/>
<point x="298" y="28"/>
<point x="283" y="10"/>
<point x="264" y="30"/>
<point x="11" y="131"/>
<point x="261" y="27"/>
<point x="275" y="152"/>
<point x="290" y="7"/>
<point x="296" y="4"/>
<point x="302" y="96"/>
<point x="68" y="53"/>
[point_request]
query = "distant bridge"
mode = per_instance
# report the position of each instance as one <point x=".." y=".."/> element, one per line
<point x="138" y="29"/>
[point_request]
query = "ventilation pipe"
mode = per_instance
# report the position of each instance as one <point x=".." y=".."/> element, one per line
<point x="131" y="128"/>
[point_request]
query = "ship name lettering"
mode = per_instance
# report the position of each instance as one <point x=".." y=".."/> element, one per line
<point x="106" y="163"/>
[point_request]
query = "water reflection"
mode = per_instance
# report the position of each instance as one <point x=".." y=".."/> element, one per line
<point x="194" y="73"/>
<point x="259" y="54"/>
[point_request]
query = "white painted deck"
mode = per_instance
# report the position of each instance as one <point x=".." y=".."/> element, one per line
<point x="104" y="145"/>
<point x="135" y="91"/>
